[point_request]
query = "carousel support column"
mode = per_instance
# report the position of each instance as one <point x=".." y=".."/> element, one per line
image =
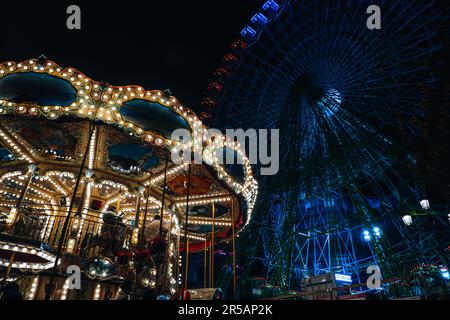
<point x="77" y="216"/>
<point x="169" y="235"/>
<point x="210" y="264"/>
<point x="12" y="216"/>
<point x="85" y="209"/>
<point x="161" y="216"/>
<point x="8" y="270"/>
<point x="212" y="243"/>
<point x="52" y="237"/>
<point x="137" y="217"/>
<point x="204" y="265"/>
<point x="119" y="196"/>
<point x="92" y="152"/>
<point x="135" y="235"/>
<point x="52" y="225"/>
<point x="187" y="265"/>
<point x="145" y="212"/>
<point x="67" y="219"/>
<point x="178" y="275"/>
<point x="34" y="284"/>
<point x="63" y="202"/>
<point x="186" y="243"/>
<point x="234" y="246"/>
<point x="47" y="224"/>
<point x="118" y="204"/>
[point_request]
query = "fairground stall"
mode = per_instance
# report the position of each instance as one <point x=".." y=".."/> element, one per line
<point x="87" y="183"/>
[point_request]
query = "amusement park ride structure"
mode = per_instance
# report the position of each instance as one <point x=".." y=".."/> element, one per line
<point x="346" y="99"/>
<point x="87" y="180"/>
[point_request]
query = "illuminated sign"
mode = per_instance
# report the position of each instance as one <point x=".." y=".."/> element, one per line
<point x="343" y="277"/>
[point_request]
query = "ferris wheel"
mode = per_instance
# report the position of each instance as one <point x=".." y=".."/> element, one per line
<point x="343" y="96"/>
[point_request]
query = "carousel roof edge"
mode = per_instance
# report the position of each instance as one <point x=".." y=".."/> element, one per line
<point x="103" y="102"/>
<point x="91" y="99"/>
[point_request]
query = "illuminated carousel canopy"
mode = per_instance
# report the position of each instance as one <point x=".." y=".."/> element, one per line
<point x="58" y="120"/>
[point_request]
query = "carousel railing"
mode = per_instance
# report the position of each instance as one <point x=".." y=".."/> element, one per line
<point x="88" y="234"/>
<point x="155" y="261"/>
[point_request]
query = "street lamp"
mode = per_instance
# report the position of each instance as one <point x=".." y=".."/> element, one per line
<point x="444" y="272"/>
<point x="425" y="204"/>
<point x="407" y="220"/>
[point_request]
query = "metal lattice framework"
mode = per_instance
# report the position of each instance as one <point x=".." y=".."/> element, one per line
<point x="341" y="95"/>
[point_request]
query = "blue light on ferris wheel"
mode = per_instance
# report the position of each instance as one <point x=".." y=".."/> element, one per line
<point x="271" y="5"/>
<point x="259" y="18"/>
<point x="248" y="32"/>
<point x="377" y="232"/>
<point x="444" y="272"/>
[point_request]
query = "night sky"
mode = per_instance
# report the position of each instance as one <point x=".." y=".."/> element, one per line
<point x="168" y="44"/>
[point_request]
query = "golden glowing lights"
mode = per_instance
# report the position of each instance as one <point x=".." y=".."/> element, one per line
<point x="33" y="288"/>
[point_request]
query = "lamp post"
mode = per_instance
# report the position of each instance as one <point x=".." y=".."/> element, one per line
<point x="420" y="229"/>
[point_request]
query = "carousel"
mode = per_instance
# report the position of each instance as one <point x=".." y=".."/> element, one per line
<point x="88" y="186"/>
